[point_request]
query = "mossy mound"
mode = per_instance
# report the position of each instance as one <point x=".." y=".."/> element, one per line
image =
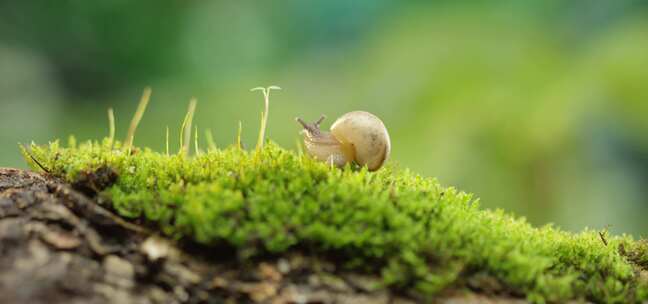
<point x="417" y="234"/>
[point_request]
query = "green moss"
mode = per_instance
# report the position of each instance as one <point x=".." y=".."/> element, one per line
<point x="417" y="234"/>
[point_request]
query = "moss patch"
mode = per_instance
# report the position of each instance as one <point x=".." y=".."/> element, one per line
<point x="417" y="234"/>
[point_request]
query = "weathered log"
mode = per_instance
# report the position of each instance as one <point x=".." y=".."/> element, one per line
<point x="58" y="245"/>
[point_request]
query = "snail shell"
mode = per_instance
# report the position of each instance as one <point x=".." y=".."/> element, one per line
<point x="357" y="136"/>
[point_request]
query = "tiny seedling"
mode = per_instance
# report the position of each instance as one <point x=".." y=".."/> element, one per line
<point x="264" y="114"/>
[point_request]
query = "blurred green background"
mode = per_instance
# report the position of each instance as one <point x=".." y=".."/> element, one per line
<point x="538" y="107"/>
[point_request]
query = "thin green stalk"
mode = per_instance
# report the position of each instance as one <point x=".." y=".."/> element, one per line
<point x="111" y="126"/>
<point x="211" y="144"/>
<point x="185" y="130"/>
<point x="264" y="114"/>
<point x="197" y="150"/>
<point x="239" y="144"/>
<point x="167" y="141"/>
<point x="139" y="113"/>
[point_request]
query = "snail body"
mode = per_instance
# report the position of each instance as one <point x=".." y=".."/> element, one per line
<point x="357" y="136"/>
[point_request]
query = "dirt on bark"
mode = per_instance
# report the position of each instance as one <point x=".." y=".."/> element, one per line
<point x="59" y="245"/>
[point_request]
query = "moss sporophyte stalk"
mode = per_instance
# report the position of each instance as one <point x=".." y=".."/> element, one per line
<point x="416" y="234"/>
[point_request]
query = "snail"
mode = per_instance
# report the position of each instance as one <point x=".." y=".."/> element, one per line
<point x="357" y="136"/>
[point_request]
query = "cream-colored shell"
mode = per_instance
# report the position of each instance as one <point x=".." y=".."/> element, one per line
<point x="365" y="136"/>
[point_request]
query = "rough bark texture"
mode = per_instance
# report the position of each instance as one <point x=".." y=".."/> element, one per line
<point x="58" y="245"/>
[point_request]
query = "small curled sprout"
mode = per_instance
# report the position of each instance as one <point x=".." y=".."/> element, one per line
<point x="264" y="114"/>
